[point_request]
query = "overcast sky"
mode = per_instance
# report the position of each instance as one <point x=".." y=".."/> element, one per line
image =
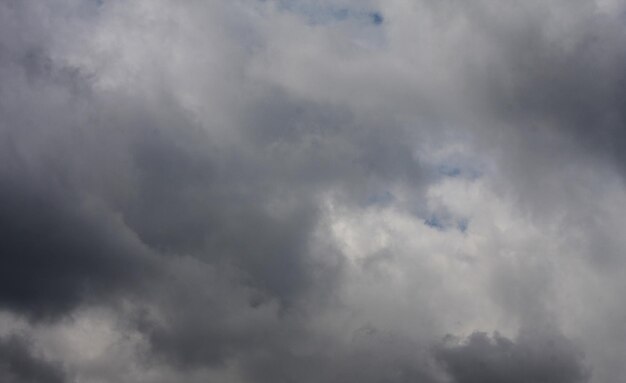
<point x="312" y="191"/>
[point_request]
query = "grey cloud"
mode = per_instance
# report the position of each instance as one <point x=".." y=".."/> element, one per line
<point x="62" y="247"/>
<point x="20" y="364"/>
<point x="112" y="194"/>
<point x="56" y="257"/>
<point x="371" y="356"/>
<point x="555" y="72"/>
<point x="532" y="357"/>
<point x="155" y="193"/>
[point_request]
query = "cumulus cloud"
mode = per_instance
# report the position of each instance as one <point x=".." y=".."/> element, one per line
<point x="305" y="191"/>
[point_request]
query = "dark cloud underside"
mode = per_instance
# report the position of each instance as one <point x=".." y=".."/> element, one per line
<point x="18" y="364"/>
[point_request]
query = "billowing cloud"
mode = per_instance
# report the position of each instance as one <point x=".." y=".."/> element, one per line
<point x="531" y="358"/>
<point x="20" y="365"/>
<point x="306" y="191"/>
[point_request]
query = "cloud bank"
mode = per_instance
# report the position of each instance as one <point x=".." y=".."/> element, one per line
<point x="312" y="191"/>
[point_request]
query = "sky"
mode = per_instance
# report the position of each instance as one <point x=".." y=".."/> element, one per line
<point x="300" y="191"/>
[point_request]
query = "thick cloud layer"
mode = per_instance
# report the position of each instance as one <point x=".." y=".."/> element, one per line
<point x="533" y="358"/>
<point x="19" y="365"/>
<point x="308" y="191"/>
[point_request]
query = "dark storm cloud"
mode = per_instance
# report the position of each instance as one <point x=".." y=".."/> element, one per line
<point x="56" y="256"/>
<point x="101" y="193"/>
<point x="19" y="364"/>
<point x="83" y="214"/>
<point x="532" y="357"/>
<point x="59" y="250"/>
<point x="108" y="219"/>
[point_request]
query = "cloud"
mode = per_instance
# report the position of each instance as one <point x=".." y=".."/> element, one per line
<point x="530" y="358"/>
<point x="260" y="191"/>
<point x="19" y="364"/>
<point x="58" y="257"/>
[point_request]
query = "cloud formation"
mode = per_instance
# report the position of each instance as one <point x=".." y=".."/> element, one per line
<point x="533" y="358"/>
<point x="21" y="366"/>
<point x="305" y="191"/>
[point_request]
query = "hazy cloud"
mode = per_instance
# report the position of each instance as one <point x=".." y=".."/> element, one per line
<point x="297" y="191"/>
<point x="18" y="364"/>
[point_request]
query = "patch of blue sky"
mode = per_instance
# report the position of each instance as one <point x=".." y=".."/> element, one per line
<point x="443" y="220"/>
<point x="435" y="222"/>
<point x="462" y="225"/>
<point x="376" y="17"/>
<point x="383" y="198"/>
<point x="462" y="171"/>
<point x="442" y="223"/>
<point x="449" y="171"/>
<point x="325" y="14"/>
